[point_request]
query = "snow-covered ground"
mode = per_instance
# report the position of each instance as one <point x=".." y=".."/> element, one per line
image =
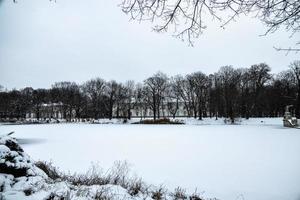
<point x="256" y="160"/>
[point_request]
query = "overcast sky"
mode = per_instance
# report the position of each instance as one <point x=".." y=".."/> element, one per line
<point x="42" y="42"/>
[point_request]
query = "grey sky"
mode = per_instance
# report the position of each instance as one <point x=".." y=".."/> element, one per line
<point x="75" y="40"/>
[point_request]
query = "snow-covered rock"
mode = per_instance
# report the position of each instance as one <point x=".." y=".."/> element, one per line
<point x="19" y="176"/>
<point x="14" y="161"/>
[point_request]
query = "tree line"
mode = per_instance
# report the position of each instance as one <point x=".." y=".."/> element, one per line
<point x="230" y="93"/>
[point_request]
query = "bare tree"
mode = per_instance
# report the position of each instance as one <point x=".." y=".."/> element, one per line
<point x="259" y="75"/>
<point x="129" y="88"/>
<point x="111" y="92"/>
<point x="94" y="89"/>
<point x="188" y="18"/>
<point x="69" y="94"/>
<point x="282" y="91"/>
<point x="295" y="66"/>
<point x="25" y="101"/>
<point x="140" y="100"/>
<point x="246" y="88"/>
<point x="173" y="97"/>
<point x="125" y="99"/>
<point x="230" y="93"/>
<point x="38" y="98"/>
<point x="184" y="89"/>
<point x="155" y="86"/>
<point x="118" y="105"/>
<point x="191" y="93"/>
<point x="230" y="80"/>
<point x="200" y="84"/>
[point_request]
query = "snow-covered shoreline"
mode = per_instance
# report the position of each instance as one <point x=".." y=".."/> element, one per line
<point x="184" y="120"/>
<point x="259" y="160"/>
<point x="22" y="178"/>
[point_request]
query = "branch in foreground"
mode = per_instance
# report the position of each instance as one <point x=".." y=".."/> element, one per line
<point x="188" y="18"/>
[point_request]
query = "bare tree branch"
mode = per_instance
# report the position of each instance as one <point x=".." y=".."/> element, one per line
<point x="187" y="17"/>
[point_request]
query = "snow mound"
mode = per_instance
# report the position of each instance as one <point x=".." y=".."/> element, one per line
<point x="22" y="178"/>
<point x="14" y="161"/>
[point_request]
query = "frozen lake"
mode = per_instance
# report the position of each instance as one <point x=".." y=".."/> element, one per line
<point x="229" y="162"/>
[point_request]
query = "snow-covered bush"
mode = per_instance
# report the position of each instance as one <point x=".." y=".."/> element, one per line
<point x="14" y="161"/>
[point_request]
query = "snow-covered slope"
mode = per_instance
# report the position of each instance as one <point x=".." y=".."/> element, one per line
<point x="255" y="159"/>
<point x="21" y="178"/>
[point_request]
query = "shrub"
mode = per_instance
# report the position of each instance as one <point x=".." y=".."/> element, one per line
<point x="102" y="194"/>
<point x="117" y="175"/>
<point x="195" y="196"/>
<point x="159" y="121"/>
<point x="159" y="193"/>
<point x="51" y="171"/>
<point x="54" y="196"/>
<point x="136" y="186"/>
<point x="179" y="194"/>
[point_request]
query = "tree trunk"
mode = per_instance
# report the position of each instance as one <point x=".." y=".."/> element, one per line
<point x="297" y="113"/>
<point x="199" y="110"/>
<point x="38" y="114"/>
<point x="129" y="113"/>
<point x="154" y="107"/>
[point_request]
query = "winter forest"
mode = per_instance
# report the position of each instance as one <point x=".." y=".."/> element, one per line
<point x="230" y="93"/>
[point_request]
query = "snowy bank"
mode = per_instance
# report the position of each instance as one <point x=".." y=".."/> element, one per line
<point x="22" y="178"/>
<point x="177" y="120"/>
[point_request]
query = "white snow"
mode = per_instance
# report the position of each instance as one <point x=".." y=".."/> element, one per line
<point x="258" y="159"/>
<point x="20" y="178"/>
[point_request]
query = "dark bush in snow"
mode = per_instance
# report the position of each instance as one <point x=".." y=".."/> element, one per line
<point x="136" y="186"/>
<point x="159" y="121"/>
<point x="47" y="167"/>
<point x="179" y="194"/>
<point x="159" y="193"/>
<point x="13" y="160"/>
